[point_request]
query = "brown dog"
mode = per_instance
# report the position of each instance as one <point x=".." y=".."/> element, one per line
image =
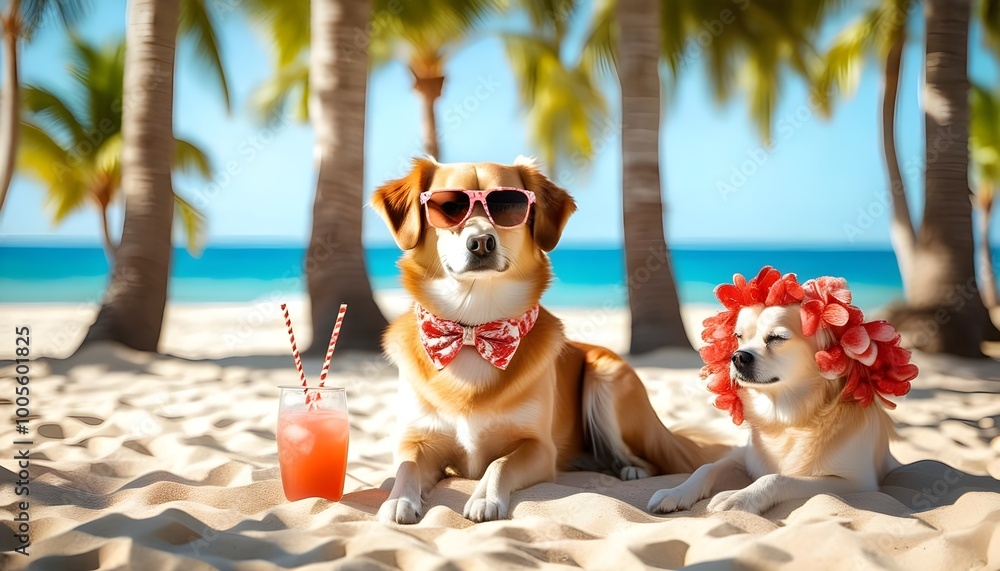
<point x="489" y="388"/>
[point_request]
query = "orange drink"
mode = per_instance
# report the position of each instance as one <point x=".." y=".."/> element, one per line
<point x="312" y="442"/>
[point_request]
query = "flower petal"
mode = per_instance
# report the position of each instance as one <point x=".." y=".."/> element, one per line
<point x="838" y="291"/>
<point x="731" y="296"/>
<point x="785" y="291"/>
<point x="832" y="362"/>
<point x="835" y="314"/>
<point x="881" y="331"/>
<point x="719" y="383"/>
<point x="855" y="341"/>
<point x="810" y="313"/>
<point x="868" y="356"/>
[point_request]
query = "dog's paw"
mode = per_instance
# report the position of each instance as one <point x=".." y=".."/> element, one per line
<point x="633" y="473"/>
<point x="672" y="500"/>
<point x="488" y="502"/>
<point x="745" y="500"/>
<point x="400" y="510"/>
<point x="485" y="509"/>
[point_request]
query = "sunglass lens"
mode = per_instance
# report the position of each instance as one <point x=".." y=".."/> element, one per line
<point x="507" y="207"/>
<point x="447" y="209"/>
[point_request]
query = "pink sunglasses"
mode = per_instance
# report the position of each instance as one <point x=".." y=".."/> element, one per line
<point x="505" y="207"/>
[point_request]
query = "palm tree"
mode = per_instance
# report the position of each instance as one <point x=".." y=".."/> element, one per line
<point x="73" y="144"/>
<point x="754" y="40"/>
<point x="18" y="23"/>
<point x="881" y="33"/>
<point x="949" y="314"/>
<point x="984" y="142"/>
<point x="984" y="147"/>
<point x="132" y="309"/>
<point x="335" y="263"/>
<point x="655" y="305"/>
<point x="566" y="113"/>
<point x="422" y="35"/>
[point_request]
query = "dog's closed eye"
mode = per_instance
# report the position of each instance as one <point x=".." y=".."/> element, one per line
<point x="775" y="339"/>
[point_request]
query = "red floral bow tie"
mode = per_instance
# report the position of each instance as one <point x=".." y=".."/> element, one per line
<point x="496" y="341"/>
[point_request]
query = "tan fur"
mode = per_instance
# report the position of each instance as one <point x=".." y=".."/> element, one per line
<point x="804" y="438"/>
<point x="801" y="450"/>
<point x="516" y="427"/>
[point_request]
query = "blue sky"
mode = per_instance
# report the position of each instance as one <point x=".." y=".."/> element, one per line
<point x="822" y="183"/>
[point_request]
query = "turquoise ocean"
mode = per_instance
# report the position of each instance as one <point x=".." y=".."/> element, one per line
<point x="585" y="277"/>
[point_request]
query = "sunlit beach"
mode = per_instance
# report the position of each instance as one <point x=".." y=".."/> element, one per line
<point x="491" y="284"/>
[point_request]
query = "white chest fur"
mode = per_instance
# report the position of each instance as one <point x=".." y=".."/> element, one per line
<point x="485" y="435"/>
<point x="478" y="301"/>
<point x="470" y="368"/>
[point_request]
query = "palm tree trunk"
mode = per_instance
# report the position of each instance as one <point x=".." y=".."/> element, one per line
<point x="9" y="99"/>
<point x="987" y="280"/>
<point x="429" y="89"/>
<point x="901" y="231"/>
<point x="335" y="262"/>
<point x="132" y="311"/>
<point x="653" y="299"/>
<point x="109" y="245"/>
<point x="943" y="278"/>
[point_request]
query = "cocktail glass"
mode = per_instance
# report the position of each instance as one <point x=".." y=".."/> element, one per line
<point x="313" y="435"/>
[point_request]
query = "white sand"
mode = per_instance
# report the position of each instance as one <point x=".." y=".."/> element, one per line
<point x="170" y="462"/>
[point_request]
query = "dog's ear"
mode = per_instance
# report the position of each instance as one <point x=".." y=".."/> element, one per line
<point x="553" y="205"/>
<point x="398" y="203"/>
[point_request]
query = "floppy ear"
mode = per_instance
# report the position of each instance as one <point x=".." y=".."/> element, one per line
<point x="398" y="203"/>
<point x="553" y="205"/>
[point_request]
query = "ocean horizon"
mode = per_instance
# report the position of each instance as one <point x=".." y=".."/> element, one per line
<point x="586" y="276"/>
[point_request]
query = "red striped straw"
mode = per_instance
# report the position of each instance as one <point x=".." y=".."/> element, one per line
<point x="295" y="348"/>
<point x="333" y="343"/>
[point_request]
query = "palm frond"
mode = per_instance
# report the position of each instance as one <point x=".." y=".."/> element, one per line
<point x="189" y="158"/>
<point x="565" y="106"/>
<point x="289" y="82"/>
<point x="551" y="15"/>
<point x="525" y="54"/>
<point x="841" y="66"/>
<point x="673" y="35"/>
<point x="192" y="223"/>
<point x="198" y="24"/>
<point x="984" y="137"/>
<point x="54" y="114"/>
<point x="762" y="77"/>
<point x="599" y="49"/>
<point x="286" y="25"/>
<point x="45" y="160"/>
<point x="99" y="73"/>
<point x="745" y="45"/>
<point x="108" y="159"/>
<point x="423" y="34"/>
<point x="989" y="15"/>
<point x="35" y="12"/>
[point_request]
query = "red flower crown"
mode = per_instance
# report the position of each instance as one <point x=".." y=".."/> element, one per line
<point x="867" y="353"/>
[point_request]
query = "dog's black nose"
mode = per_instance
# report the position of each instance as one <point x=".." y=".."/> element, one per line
<point x="481" y="245"/>
<point x="742" y="359"/>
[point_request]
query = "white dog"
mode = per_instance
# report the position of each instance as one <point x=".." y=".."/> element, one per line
<point x="801" y="366"/>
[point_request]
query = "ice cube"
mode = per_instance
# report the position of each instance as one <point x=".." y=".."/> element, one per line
<point x="299" y="439"/>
